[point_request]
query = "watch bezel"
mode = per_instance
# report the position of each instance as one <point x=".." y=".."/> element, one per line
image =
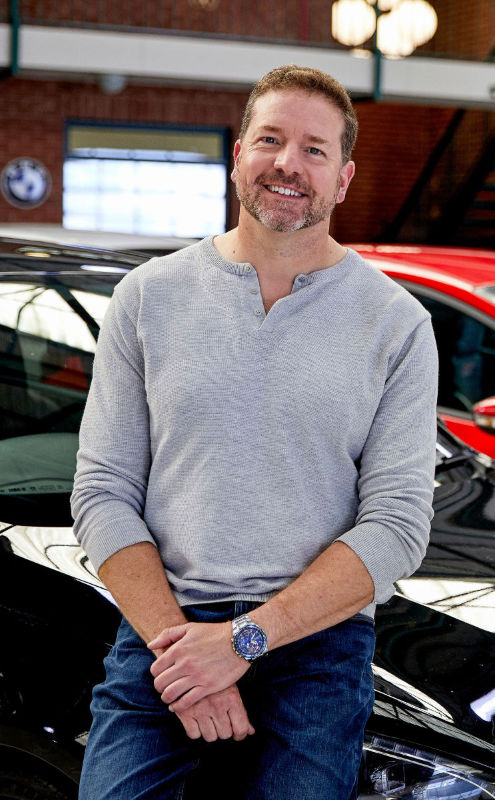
<point x="262" y="649"/>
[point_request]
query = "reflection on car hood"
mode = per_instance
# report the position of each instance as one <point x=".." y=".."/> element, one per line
<point x="52" y="547"/>
<point x="457" y="575"/>
<point x="437" y="657"/>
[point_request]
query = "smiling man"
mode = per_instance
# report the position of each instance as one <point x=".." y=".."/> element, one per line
<point x="255" y="472"/>
<point x="314" y="191"/>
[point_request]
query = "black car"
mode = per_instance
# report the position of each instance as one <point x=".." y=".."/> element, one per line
<point x="432" y="732"/>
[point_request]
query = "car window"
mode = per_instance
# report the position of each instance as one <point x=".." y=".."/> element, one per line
<point x="466" y="349"/>
<point x="48" y="331"/>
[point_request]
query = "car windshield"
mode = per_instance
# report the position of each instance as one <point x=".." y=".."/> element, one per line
<point x="49" y="325"/>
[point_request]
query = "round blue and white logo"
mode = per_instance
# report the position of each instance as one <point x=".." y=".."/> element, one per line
<point x="25" y="182"/>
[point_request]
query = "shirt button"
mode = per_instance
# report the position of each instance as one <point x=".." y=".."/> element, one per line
<point x="253" y="291"/>
<point x="258" y="312"/>
<point x="247" y="268"/>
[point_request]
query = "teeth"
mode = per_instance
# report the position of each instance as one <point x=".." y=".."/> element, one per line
<point x="282" y="190"/>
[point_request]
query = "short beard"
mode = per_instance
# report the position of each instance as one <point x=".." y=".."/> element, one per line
<point x="275" y="219"/>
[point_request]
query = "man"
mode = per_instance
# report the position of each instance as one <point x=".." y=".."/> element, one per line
<point x="255" y="472"/>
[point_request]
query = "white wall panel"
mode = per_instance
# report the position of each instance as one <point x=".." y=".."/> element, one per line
<point x="217" y="62"/>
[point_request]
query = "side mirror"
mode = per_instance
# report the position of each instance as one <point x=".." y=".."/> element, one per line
<point x="484" y="414"/>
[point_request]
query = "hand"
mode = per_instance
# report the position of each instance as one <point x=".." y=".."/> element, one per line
<point x="219" y="716"/>
<point x="198" y="661"/>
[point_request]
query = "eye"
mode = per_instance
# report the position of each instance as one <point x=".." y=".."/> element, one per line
<point x="268" y="139"/>
<point x="315" y="151"/>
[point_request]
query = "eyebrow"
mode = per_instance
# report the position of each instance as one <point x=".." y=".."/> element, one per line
<point x="275" y="129"/>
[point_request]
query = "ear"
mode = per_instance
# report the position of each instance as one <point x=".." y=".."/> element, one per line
<point x="237" y="155"/>
<point x="345" y="177"/>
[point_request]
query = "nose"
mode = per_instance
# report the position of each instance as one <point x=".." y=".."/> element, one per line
<point x="288" y="159"/>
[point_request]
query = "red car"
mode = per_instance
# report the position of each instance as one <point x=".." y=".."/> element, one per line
<point x="457" y="286"/>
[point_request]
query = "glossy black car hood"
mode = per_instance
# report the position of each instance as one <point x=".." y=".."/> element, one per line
<point x="462" y="542"/>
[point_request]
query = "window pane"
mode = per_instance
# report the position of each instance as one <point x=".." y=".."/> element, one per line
<point x="180" y="191"/>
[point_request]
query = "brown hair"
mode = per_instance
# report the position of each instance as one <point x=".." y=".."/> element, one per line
<point x="313" y="81"/>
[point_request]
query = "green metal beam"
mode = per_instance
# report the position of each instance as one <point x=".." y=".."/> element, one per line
<point x="377" y="86"/>
<point x="15" y="23"/>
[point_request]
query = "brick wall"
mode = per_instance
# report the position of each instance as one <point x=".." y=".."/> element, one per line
<point x="288" y="19"/>
<point x="393" y="144"/>
<point x="466" y="27"/>
<point x="33" y="112"/>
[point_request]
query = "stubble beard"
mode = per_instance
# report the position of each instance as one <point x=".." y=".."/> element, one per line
<point x="283" y="219"/>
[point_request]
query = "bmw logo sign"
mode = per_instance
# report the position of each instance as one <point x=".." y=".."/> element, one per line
<point x="25" y="182"/>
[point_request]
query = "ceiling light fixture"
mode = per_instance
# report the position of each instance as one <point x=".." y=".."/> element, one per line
<point x="208" y="5"/>
<point x="400" y="25"/>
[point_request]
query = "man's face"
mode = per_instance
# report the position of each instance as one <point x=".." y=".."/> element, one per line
<point x="288" y="169"/>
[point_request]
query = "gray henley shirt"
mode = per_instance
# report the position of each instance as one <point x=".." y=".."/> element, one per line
<point x="242" y="444"/>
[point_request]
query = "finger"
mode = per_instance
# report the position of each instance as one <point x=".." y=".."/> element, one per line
<point x="168" y="636"/>
<point x="207" y="728"/>
<point x="189" y="699"/>
<point x="167" y="677"/>
<point x="174" y="690"/>
<point x="190" y="724"/>
<point x="222" y="725"/>
<point x="163" y="663"/>
<point x="239" y="721"/>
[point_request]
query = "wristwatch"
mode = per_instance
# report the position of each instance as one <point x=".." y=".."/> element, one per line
<point x="248" y="639"/>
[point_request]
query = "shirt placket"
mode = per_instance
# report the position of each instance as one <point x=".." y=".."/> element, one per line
<point x="254" y="302"/>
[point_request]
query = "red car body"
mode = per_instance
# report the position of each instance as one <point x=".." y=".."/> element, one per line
<point x="458" y="287"/>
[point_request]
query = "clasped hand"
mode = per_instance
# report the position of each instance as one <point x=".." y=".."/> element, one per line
<point x="196" y="675"/>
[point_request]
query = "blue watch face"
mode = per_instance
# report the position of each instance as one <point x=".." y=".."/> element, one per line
<point x="250" y="642"/>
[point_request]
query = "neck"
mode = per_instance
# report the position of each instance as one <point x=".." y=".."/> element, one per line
<point x="282" y="255"/>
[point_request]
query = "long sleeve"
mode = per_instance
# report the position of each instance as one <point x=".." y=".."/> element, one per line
<point x="397" y="466"/>
<point x="114" y="457"/>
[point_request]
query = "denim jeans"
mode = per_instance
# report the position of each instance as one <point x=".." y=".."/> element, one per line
<point x="308" y="701"/>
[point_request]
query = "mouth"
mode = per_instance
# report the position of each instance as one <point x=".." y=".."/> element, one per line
<point x="285" y="191"/>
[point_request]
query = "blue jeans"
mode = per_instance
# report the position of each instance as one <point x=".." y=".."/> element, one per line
<point x="308" y="701"/>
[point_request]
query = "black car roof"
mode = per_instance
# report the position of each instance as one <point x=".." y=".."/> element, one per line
<point x="23" y="255"/>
